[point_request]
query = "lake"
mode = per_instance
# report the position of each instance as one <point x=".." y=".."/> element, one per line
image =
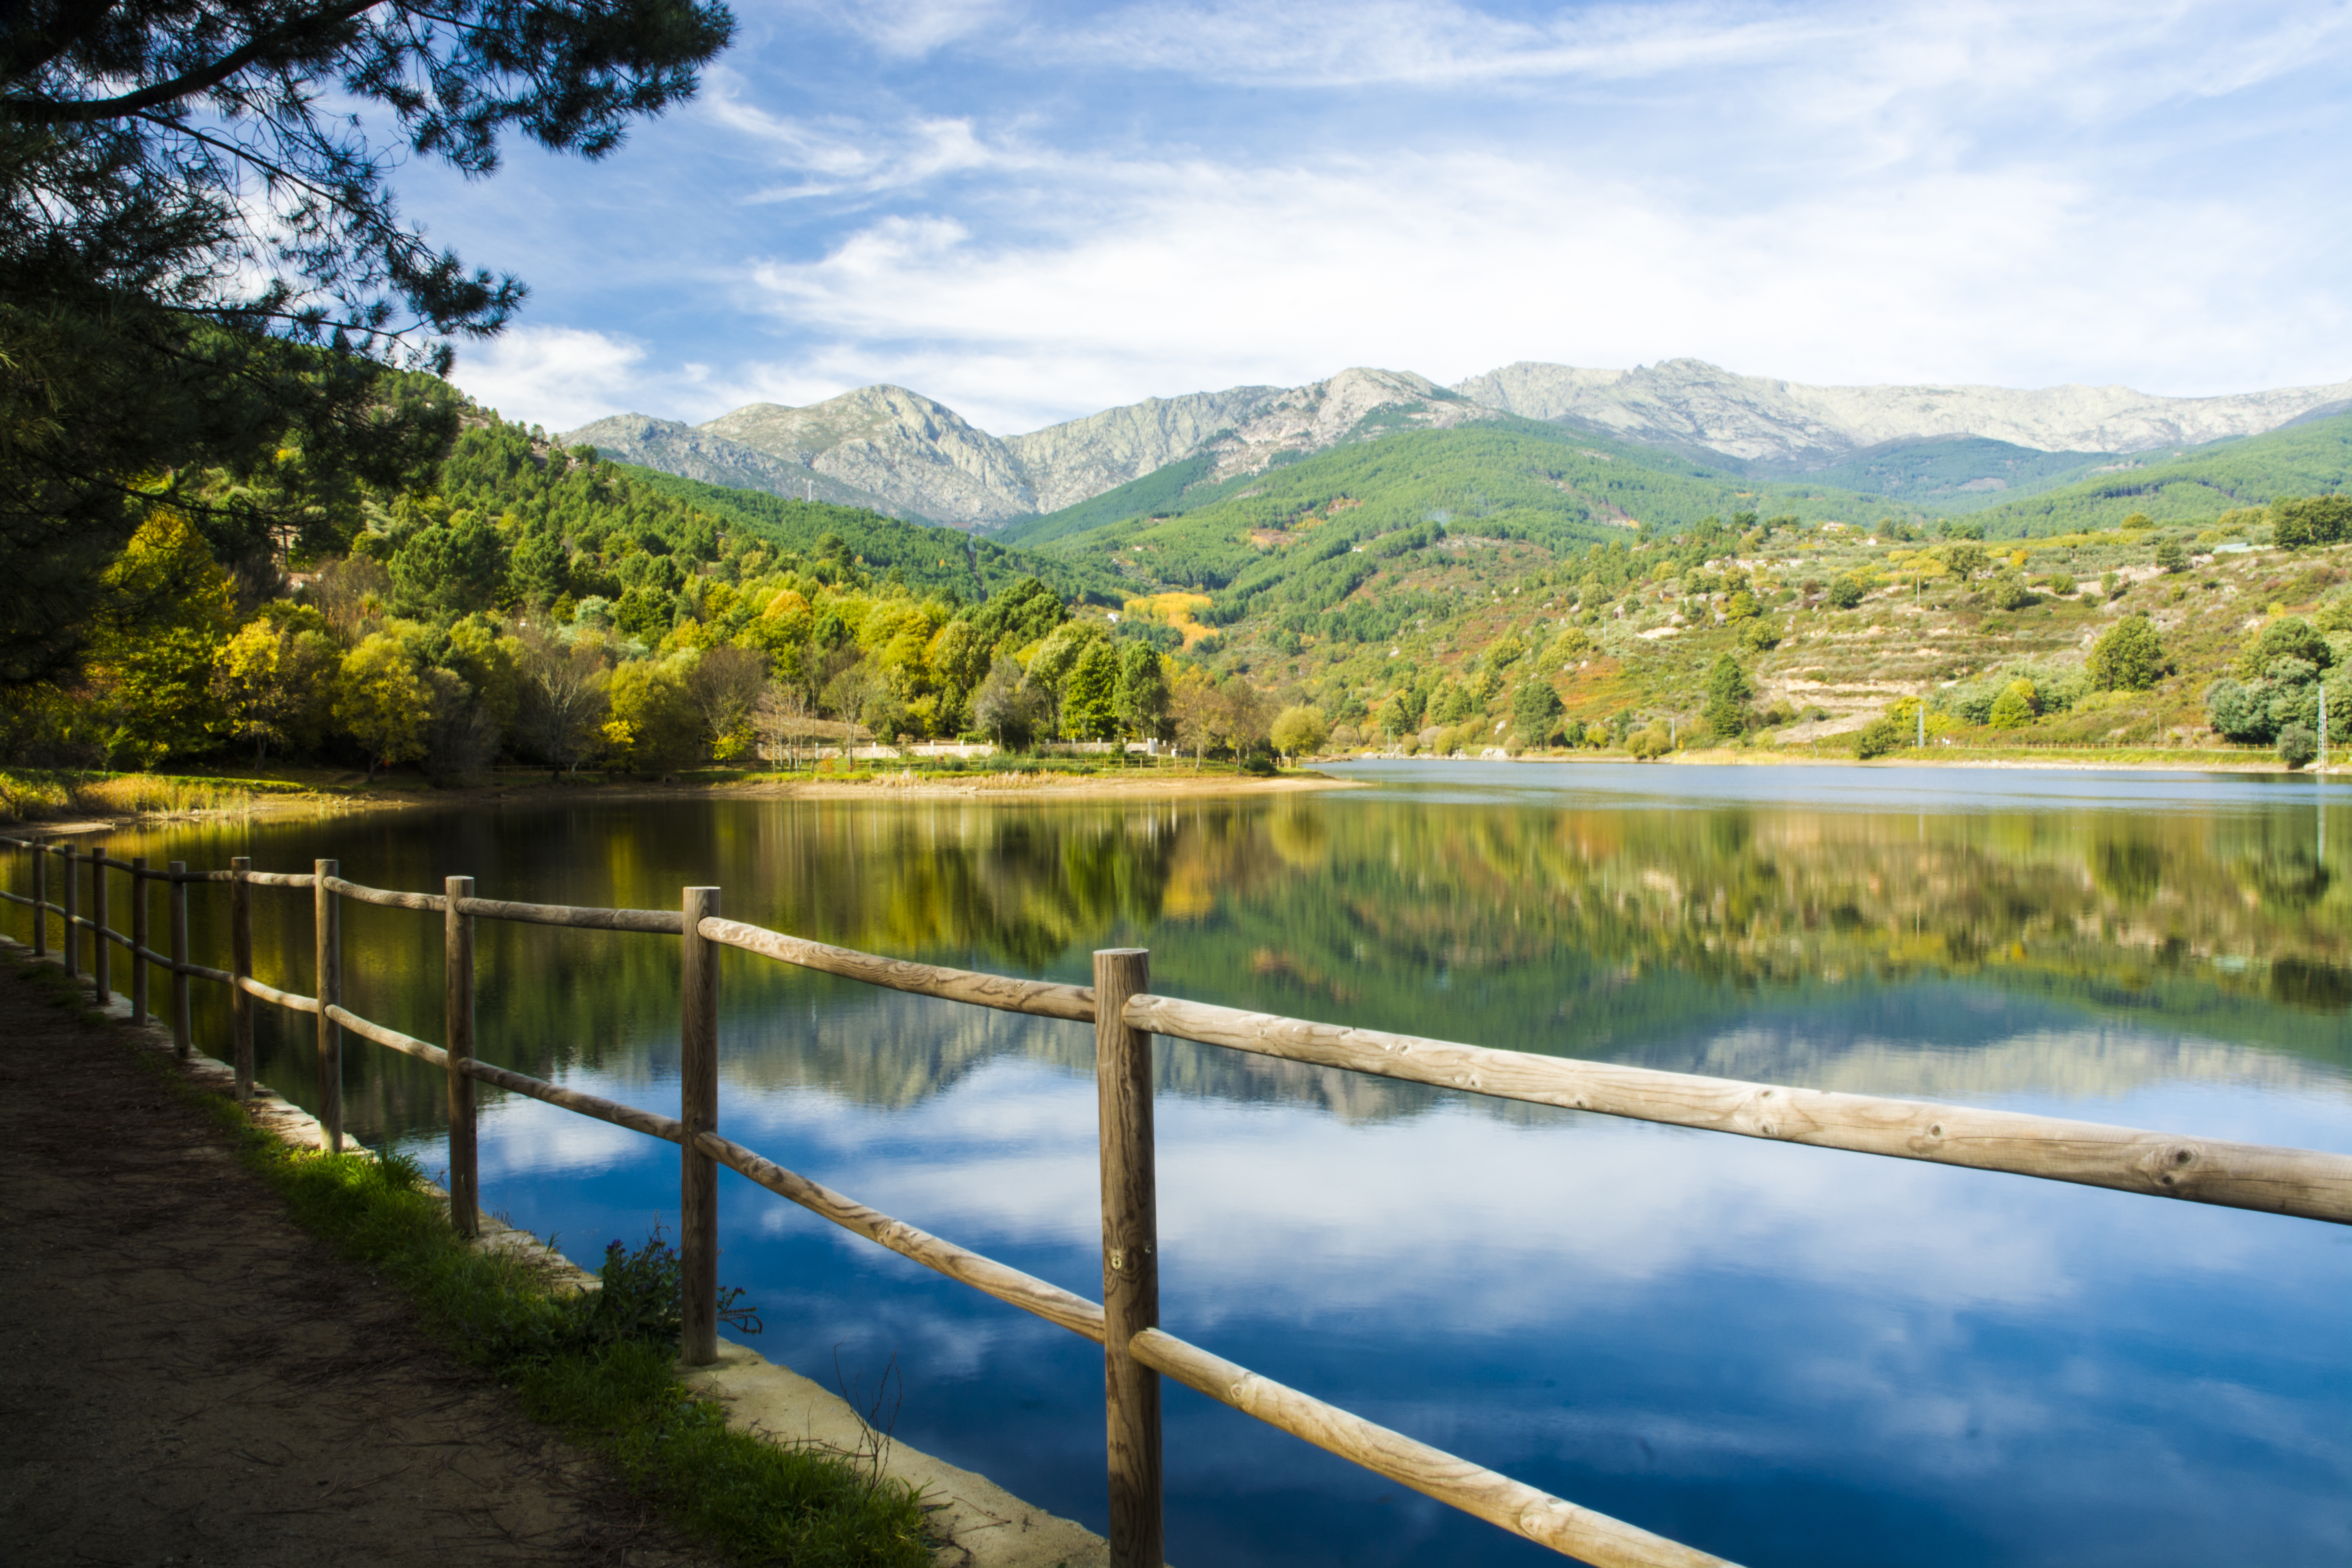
<point x="1781" y="1355"/>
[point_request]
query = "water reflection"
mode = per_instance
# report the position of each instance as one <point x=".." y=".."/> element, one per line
<point x="1784" y="1354"/>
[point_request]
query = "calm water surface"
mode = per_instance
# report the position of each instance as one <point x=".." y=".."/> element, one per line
<point x="1784" y="1355"/>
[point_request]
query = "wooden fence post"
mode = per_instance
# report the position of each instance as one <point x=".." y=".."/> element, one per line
<point x="327" y="919"/>
<point x="142" y="941"/>
<point x="240" y="968"/>
<point x="458" y="973"/>
<point x="41" y="900"/>
<point x="697" y="1173"/>
<point x="102" y="950"/>
<point x="1130" y="1232"/>
<point x="182" y="1029"/>
<point x="72" y="901"/>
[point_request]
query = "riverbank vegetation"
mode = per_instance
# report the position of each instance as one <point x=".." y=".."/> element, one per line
<point x="599" y="1366"/>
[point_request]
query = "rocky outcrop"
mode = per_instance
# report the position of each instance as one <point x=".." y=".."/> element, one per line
<point x="676" y="448"/>
<point x="1326" y="413"/>
<point x="1689" y="402"/>
<point x="1067" y="463"/>
<point x="917" y="454"/>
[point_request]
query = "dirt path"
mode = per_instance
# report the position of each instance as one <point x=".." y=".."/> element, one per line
<point x="187" y="1378"/>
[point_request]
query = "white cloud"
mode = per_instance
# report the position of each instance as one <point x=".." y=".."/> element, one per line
<point x="1973" y="190"/>
<point x="1170" y="277"/>
<point x="557" y="376"/>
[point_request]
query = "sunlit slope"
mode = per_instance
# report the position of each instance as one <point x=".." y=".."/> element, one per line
<point x="1952" y="474"/>
<point x="1511" y="479"/>
<point x="2191" y="484"/>
<point x="928" y="558"/>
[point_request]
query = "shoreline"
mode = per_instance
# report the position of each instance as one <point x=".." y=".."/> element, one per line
<point x="994" y="788"/>
<point x="1000" y="788"/>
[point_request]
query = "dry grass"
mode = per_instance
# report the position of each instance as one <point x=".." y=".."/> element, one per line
<point x="31" y="794"/>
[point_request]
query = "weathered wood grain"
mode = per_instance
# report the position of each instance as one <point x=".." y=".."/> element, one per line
<point x="240" y="966"/>
<point x="392" y="1040"/>
<point x="2300" y="1181"/>
<point x="1042" y="998"/>
<point x="1516" y="1507"/>
<point x="428" y="902"/>
<point x="328" y="930"/>
<point x="1130" y="1260"/>
<point x="279" y="878"/>
<point x="72" y="950"/>
<point x="101" y="951"/>
<point x="289" y="1000"/>
<point x="698" y="1093"/>
<point x="183" y="1022"/>
<point x="660" y="923"/>
<point x="458" y="1011"/>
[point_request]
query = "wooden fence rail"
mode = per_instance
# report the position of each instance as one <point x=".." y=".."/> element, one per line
<point x="1126" y="1015"/>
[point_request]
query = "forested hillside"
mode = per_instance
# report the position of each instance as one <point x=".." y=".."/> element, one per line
<point x="2195" y="486"/>
<point x="927" y="559"/>
<point x="511" y="599"/>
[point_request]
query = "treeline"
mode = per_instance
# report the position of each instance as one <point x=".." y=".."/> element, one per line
<point x="516" y="600"/>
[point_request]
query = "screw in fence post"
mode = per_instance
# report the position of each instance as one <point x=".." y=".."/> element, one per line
<point x="697" y="1173"/>
<point x="327" y="916"/>
<point x="72" y="949"/>
<point x="457" y="972"/>
<point x="181" y="1030"/>
<point x="101" y="951"/>
<point x="1130" y="1230"/>
<point x="142" y="941"/>
<point x="40" y="901"/>
<point x="240" y="965"/>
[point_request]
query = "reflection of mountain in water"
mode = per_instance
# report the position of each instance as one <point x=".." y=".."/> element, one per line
<point x="1926" y="1042"/>
<point x="1661" y="936"/>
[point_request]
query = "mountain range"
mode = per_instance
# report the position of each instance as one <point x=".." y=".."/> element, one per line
<point x="1940" y="449"/>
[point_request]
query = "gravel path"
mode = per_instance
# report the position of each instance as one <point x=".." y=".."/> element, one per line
<point x="187" y="1378"/>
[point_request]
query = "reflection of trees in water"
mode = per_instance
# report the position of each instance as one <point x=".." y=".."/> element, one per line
<point x="1590" y="932"/>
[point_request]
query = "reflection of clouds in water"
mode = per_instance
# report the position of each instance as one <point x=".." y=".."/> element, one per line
<point x="522" y="1137"/>
<point x="2094" y="1062"/>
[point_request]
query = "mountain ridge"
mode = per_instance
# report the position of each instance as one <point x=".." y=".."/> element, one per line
<point x="909" y="456"/>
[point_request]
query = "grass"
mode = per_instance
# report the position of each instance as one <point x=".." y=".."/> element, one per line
<point x="29" y="794"/>
<point x="599" y="1366"/>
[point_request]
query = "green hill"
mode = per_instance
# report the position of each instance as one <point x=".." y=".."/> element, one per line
<point x="2191" y="485"/>
<point x="1512" y="479"/>
<point x="1951" y="474"/>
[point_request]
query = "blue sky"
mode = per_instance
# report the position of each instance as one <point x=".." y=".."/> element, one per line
<point x="1033" y="211"/>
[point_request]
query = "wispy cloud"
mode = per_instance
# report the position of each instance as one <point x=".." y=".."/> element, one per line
<point x="1031" y="216"/>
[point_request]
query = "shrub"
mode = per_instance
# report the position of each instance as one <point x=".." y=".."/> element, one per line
<point x="2007" y="592"/>
<point x="1882" y="735"/>
<point x="2017" y="706"/>
<point x="2297" y="745"/>
<point x="2172" y="557"/>
<point x="2129" y="656"/>
<point x="1847" y="591"/>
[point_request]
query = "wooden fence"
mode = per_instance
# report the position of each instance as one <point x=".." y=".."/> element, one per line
<point x="1126" y="1016"/>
